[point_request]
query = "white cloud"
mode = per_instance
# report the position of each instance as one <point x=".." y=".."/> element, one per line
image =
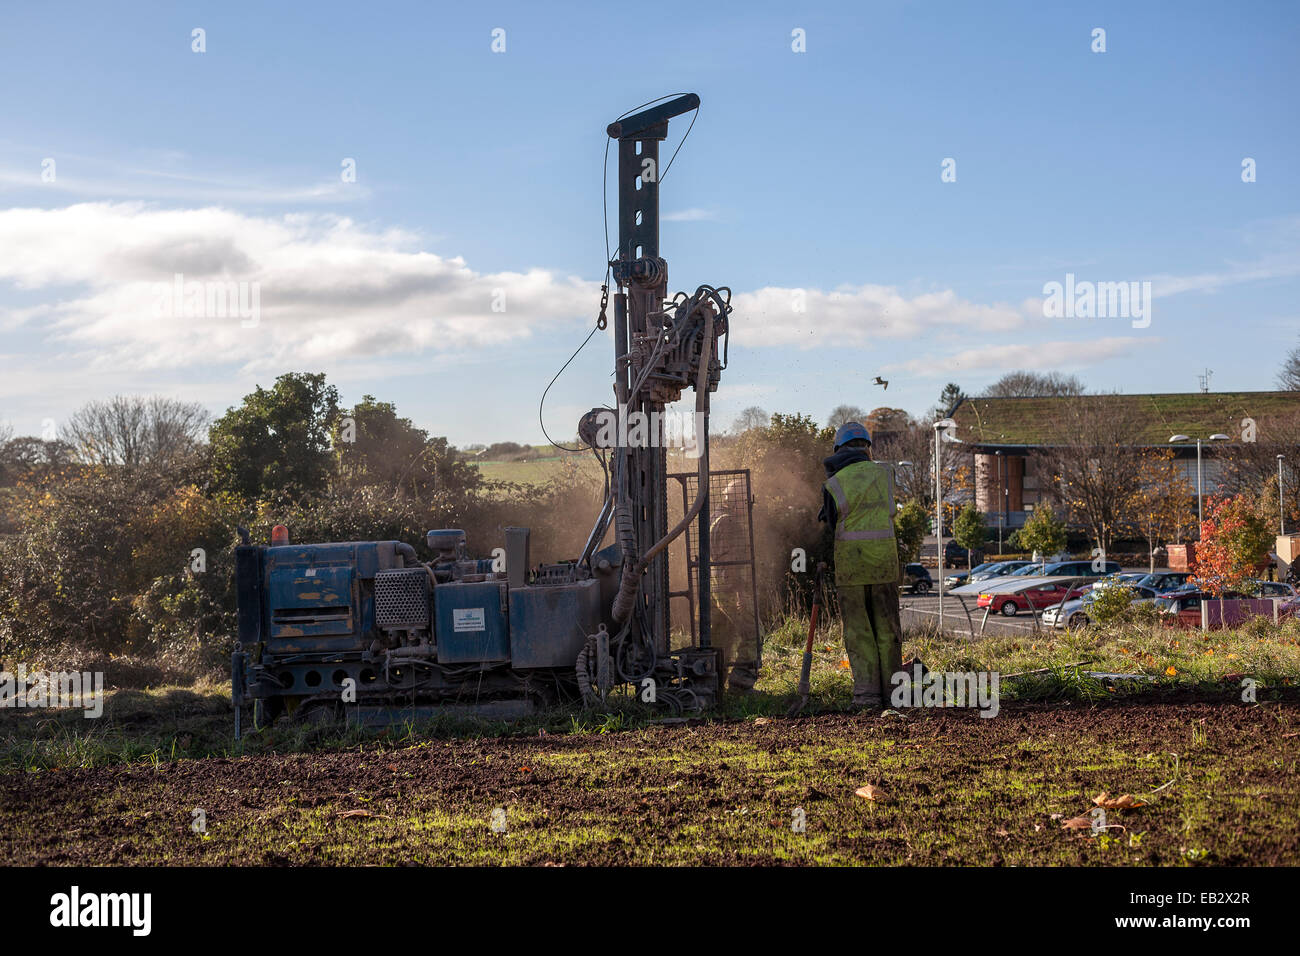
<point x="342" y="296"/>
<point x="694" y="214"/>
<point x="1029" y="355"/>
<point x="860" y="315"/>
<point x="1271" y="267"/>
<point x="329" y="288"/>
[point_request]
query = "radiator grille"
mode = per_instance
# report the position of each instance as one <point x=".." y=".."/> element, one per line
<point x="402" y="598"/>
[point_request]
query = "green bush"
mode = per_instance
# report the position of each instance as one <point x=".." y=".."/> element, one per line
<point x="1110" y="602"/>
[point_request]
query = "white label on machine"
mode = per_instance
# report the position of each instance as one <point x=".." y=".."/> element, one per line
<point x="468" y="619"/>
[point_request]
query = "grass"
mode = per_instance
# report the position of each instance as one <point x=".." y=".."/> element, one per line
<point x="170" y="723"/>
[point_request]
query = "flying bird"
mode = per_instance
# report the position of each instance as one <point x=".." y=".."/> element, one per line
<point x="881" y="381"/>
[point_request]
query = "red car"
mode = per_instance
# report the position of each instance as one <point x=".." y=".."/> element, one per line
<point x="1037" y="597"/>
<point x="1184" y="607"/>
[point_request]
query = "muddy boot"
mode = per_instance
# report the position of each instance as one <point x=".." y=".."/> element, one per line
<point x="867" y="701"/>
<point x="742" y="678"/>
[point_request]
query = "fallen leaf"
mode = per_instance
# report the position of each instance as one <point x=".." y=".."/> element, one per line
<point x="525" y="769"/>
<point x="345" y="814"/>
<point x="1077" y="823"/>
<point x="760" y="721"/>
<point x="872" y="792"/>
<point x="1125" y="802"/>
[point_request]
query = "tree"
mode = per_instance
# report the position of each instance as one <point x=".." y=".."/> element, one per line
<point x="1288" y="379"/>
<point x="91" y="547"/>
<point x="845" y="413"/>
<point x="785" y="458"/>
<point x="31" y="459"/>
<point x="374" y="447"/>
<point x="911" y="525"/>
<point x="133" y="430"/>
<point x="885" y="422"/>
<point x="1034" y="385"/>
<point x="1234" y="543"/>
<point x="1162" y="505"/>
<point x="1044" y="532"/>
<point x="749" y="419"/>
<point x="1093" y="457"/>
<point x="914" y="480"/>
<point x="949" y="399"/>
<point x="969" y="530"/>
<point x="1252" y="466"/>
<point x="277" y="443"/>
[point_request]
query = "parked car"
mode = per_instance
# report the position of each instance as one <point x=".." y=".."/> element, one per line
<point x="1031" y="597"/>
<point x="954" y="555"/>
<point x="1161" y="581"/>
<point x="1067" y="569"/>
<point x="1074" y="613"/>
<point x="916" y="577"/>
<point x="1122" y="577"/>
<point x="1080" y="569"/>
<point x="958" y="578"/>
<point x="1274" y="589"/>
<point x="995" y="570"/>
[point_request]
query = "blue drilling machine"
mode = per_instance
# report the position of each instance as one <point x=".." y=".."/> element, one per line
<point x="368" y="628"/>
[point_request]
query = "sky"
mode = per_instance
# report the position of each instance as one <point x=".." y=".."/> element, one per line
<point x="420" y="215"/>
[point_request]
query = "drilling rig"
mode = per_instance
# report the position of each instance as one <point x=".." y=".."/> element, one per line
<point x="371" y="628"/>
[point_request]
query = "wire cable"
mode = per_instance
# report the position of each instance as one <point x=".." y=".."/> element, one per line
<point x="542" y="402"/>
<point x="609" y="265"/>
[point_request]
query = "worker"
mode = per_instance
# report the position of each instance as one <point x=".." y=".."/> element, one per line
<point x="858" y="506"/>
<point x="733" y="628"/>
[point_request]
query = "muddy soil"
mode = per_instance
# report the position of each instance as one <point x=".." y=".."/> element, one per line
<point x="960" y="789"/>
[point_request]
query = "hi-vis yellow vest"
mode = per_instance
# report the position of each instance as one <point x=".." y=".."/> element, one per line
<point x="865" y="552"/>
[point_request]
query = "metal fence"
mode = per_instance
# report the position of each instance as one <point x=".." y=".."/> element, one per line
<point x="731" y="553"/>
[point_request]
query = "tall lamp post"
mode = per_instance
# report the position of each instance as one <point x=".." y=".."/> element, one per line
<point x="1182" y="439"/>
<point x="940" y="427"/>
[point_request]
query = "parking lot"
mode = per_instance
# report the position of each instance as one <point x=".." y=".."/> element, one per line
<point x="919" y="609"/>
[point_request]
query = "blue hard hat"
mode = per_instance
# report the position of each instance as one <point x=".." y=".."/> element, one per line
<point x="849" y="431"/>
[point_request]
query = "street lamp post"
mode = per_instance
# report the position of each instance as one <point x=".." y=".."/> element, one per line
<point x="1175" y="439"/>
<point x="939" y="428"/>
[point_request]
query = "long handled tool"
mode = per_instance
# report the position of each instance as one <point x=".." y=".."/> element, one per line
<point x="806" y="672"/>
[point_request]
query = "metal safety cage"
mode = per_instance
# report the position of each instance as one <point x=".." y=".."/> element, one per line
<point x="730" y="565"/>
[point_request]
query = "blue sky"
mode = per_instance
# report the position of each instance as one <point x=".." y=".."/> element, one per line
<point x="479" y="171"/>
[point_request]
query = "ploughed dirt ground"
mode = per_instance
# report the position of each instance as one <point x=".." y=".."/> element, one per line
<point x="1219" y="781"/>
